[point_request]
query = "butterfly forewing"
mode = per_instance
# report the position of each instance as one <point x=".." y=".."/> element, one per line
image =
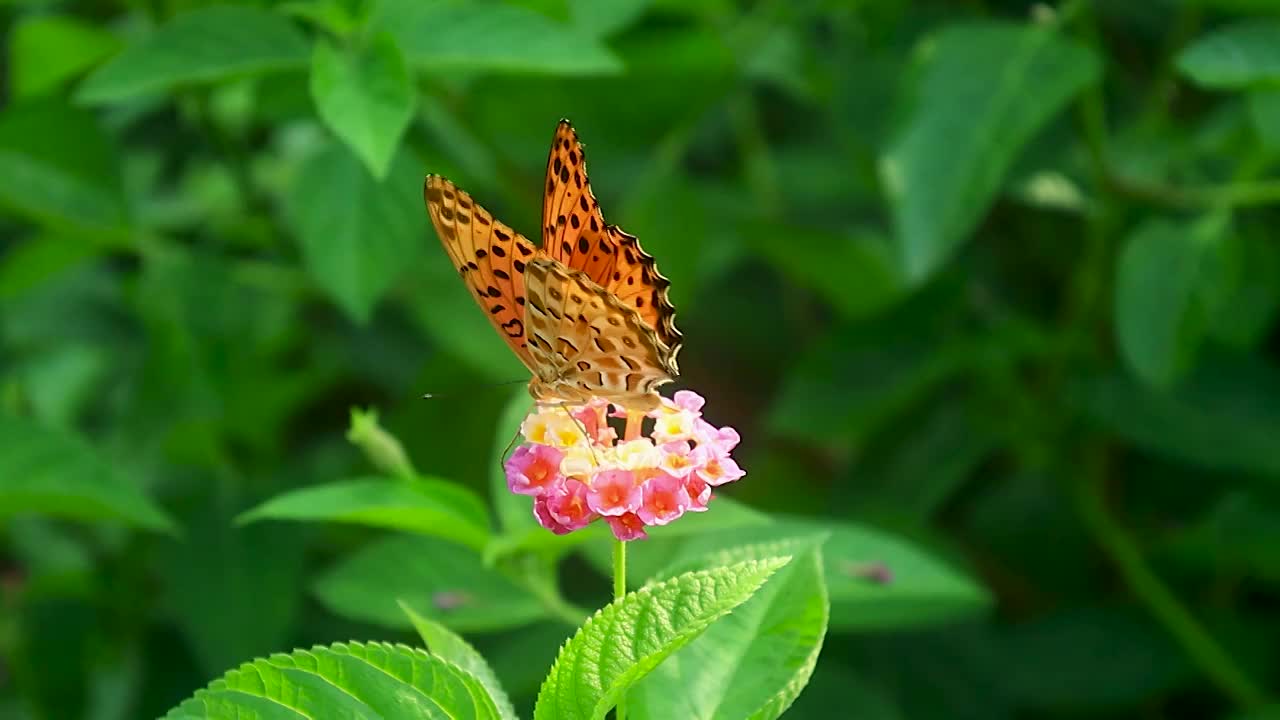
<point x="488" y="255"/>
<point x="575" y="233"/>
<point x="590" y="340"/>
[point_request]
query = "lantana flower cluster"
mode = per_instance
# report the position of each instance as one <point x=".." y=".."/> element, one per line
<point x="578" y="470"/>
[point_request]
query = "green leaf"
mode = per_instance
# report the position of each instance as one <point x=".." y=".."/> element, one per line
<point x="33" y="261"/>
<point x="357" y="234"/>
<point x="1089" y="658"/>
<point x="201" y="46"/>
<point x="881" y="582"/>
<point x="446" y="311"/>
<point x="860" y="375"/>
<point x="488" y="36"/>
<point x="59" y="167"/>
<point x="753" y="663"/>
<point x="1248" y="311"/>
<point x="453" y="649"/>
<point x="234" y="592"/>
<point x="51" y="472"/>
<point x="61" y="381"/>
<point x="855" y="271"/>
<point x="1238" y="535"/>
<point x="428" y="506"/>
<point x="1221" y="417"/>
<point x="627" y="639"/>
<point x="47" y="50"/>
<point x="1240" y="55"/>
<point x="876" y="581"/>
<point x="983" y="91"/>
<point x="1264" y="109"/>
<point x="340" y="17"/>
<point x="601" y="18"/>
<point x="356" y="680"/>
<point x="1164" y="276"/>
<point x="439" y="580"/>
<point x="365" y="96"/>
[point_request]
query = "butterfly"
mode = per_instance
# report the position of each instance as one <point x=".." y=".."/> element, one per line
<point x="588" y="312"/>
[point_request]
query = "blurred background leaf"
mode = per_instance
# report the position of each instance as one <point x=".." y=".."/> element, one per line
<point x="989" y="289"/>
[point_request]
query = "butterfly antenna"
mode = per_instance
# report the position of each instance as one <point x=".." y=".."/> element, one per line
<point x="427" y="396"/>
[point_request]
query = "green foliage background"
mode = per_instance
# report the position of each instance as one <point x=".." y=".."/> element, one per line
<point x="989" y="288"/>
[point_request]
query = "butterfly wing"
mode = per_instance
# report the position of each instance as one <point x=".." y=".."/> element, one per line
<point x="488" y="255"/>
<point x="594" y="343"/>
<point x="574" y="232"/>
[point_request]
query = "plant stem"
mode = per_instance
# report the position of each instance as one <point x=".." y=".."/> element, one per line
<point x="620" y="589"/>
<point x="1201" y="647"/>
<point x="619" y="569"/>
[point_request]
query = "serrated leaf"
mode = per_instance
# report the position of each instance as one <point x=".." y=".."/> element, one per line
<point x="453" y="649"/>
<point x="1165" y="273"/>
<point x="47" y="50"/>
<point x="982" y="93"/>
<point x="357" y="234"/>
<point x="365" y="96"/>
<point x="1239" y="55"/>
<point x="59" y="167"/>
<point x="428" y="506"/>
<point x="204" y="45"/>
<point x="442" y="581"/>
<point x="489" y="36"/>
<point x="755" y="662"/>
<point x="52" y="472"/>
<point x="356" y="680"/>
<point x="626" y="640"/>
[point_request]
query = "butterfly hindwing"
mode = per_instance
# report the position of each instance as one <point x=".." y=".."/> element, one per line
<point x="591" y="340"/>
<point x="489" y="256"/>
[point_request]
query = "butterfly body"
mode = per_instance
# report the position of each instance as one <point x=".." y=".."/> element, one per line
<point x="587" y="312"/>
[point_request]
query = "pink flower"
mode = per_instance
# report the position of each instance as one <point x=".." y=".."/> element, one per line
<point x="688" y="401"/>
<point x="699" y="493"/>
<point x="721" y="441"/>
<point x="578" y="470"/>
<point x="665" y="499"/>
<point x="615" y="492"/>
<point x="592" y="417"/>
<point x="717" y="470"/>
<point x="627" y="527"/>
<point x="568" y="505"/>
<point x="677" y="459"/>
<point x="543" y="515"/>
<point x="533" y="468"/>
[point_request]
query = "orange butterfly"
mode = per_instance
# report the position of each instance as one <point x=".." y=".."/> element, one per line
<point x="588" y="312"/>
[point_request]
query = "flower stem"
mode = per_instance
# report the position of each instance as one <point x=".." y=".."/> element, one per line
<point x="619" y="569"/>
<point x="620" y="589"/>
<point x="1198" y="644"/>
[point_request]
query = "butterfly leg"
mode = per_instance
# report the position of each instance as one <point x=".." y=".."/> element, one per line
<point x="502" y="459"/>
<point x="591" y="446"/>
